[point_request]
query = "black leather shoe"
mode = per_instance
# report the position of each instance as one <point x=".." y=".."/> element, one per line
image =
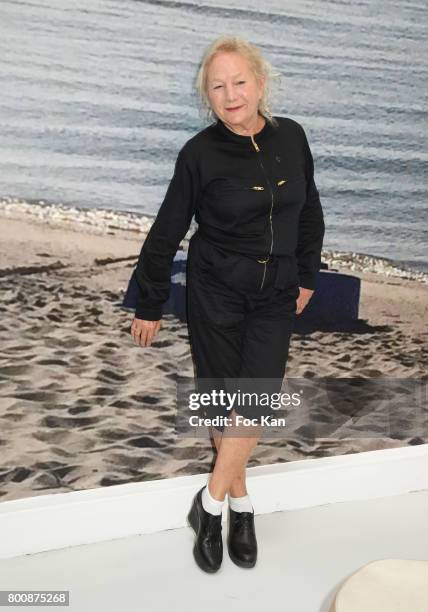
<point x="241" y="538"/>
<point x="208" y="548"/>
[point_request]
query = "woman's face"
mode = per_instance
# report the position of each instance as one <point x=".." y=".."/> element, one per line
<point x="232" y="89"/>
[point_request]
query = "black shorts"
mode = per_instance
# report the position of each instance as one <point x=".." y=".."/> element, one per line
<point x="236" y="329"/>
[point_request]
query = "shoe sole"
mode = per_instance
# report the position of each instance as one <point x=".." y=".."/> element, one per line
<point x="193" y="522"/>
<point x="239" y="562"/>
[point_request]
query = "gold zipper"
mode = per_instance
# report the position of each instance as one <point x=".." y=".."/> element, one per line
<point x="264" y="261"/>
<point x="256" y="146"/>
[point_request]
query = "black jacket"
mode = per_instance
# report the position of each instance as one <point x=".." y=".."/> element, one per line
<point x="253" y="195"/>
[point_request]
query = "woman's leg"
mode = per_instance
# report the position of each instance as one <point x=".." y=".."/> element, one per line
<point x="228" y="475"/>
<point x="238" y="487"/>
<point x="264" y="355"/>
<point x="235" y="332"/>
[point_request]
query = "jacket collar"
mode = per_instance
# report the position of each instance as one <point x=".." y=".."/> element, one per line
<point x="267" y="130"/>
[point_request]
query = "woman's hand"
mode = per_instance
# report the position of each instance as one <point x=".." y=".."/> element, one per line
<point x="144" y="331"/>
<point x="304" y="297"/>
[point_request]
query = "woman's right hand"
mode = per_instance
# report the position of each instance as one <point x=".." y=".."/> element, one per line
<point x="143" y="331"/>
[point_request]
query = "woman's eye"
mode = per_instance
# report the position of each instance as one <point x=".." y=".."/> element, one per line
<point x="218" y="86"/>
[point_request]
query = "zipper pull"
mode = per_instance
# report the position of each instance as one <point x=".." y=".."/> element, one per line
<point x="282" y="182"/>
<point x="255" y="144"/>
<point x="257" y="187"/>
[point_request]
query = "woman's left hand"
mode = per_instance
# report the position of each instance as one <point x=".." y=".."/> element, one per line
<point x="304" y="297"/>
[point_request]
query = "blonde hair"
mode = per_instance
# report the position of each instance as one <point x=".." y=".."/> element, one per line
<point x="258" y="64"/>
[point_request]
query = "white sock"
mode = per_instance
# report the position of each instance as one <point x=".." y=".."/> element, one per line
<point x="241" y="504"/>
<point x="211" y="505"/>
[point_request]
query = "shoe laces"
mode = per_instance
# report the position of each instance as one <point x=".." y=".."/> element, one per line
<point x="243" y="522"/>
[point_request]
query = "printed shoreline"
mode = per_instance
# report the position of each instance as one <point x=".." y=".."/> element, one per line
<point x="104" y="221"/>
<point x="81" y="406"/>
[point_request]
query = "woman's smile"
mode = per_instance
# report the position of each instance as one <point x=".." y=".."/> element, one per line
<point x="235" y="108"/>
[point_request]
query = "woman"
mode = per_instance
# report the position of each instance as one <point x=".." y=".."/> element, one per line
<point x="249" y="180"/>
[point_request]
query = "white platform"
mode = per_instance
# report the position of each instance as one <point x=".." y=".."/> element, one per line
<point x="317" y="521"/>
<point x="304" y="555"/>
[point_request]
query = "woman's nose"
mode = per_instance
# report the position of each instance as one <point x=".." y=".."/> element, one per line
<point x="230" y="94"/>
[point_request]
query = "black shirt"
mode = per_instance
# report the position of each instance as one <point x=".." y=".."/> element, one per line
<point x="253" y="195"/>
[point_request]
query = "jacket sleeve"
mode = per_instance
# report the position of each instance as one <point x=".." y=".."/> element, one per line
<point x="154" y="265"/>
<point x="311" y="227"/>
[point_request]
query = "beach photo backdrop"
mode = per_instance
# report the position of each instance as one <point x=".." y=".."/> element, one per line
<point x="97" y="99"/>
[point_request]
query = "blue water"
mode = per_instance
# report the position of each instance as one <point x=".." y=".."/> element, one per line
<point x="97" y="98"/>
